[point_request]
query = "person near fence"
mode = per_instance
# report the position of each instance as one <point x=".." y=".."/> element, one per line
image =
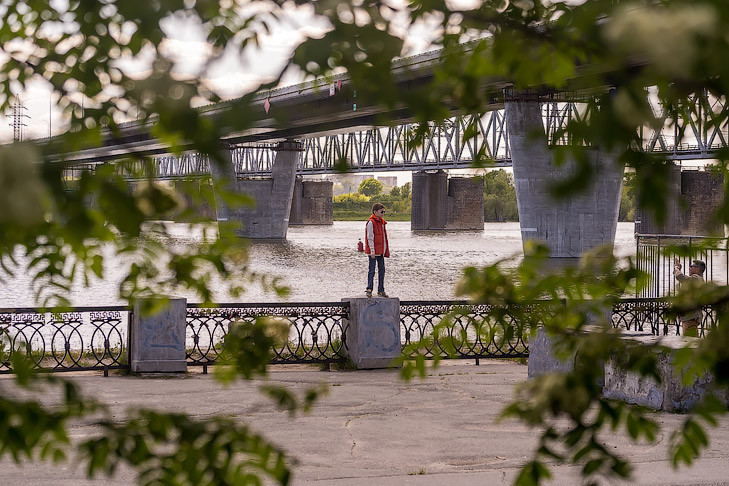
<point x="690" y="321"/>
<point x="377" y="248"/>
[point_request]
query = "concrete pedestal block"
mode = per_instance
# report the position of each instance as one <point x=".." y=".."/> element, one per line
<point x="157" y="342"/>
<point x="671" y="395"/>
<point x="542" y="359"/>
<point x="541" y="355"/>
<point x="373" y="332"/>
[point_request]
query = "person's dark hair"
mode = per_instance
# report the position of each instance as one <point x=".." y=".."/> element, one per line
<point x="701" y="265"/>
<point x="377" y="207"/>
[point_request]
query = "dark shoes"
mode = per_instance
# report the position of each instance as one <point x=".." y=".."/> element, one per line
<point x="368" y="292"/>
<point x="382" y="294"/>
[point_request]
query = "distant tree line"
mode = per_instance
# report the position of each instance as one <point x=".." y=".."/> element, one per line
<point x="358" y="205"/>
<point x="499" y="197"/>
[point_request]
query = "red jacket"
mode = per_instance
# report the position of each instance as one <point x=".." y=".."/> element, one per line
<point x="380" y="234"/>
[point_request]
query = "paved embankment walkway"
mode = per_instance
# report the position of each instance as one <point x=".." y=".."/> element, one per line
<point x="374" y="429"/>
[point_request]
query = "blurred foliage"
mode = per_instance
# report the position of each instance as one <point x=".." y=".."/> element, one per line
<point x="56" y="224"/>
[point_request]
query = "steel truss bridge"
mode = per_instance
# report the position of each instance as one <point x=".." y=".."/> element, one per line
<point x="692" y="135"/>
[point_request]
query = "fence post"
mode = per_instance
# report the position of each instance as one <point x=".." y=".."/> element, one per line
<point x="157" y="342"/>
<point x="373" y="332"/>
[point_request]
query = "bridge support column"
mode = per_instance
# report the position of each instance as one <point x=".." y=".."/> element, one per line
<point x="440" y="203"/>
<point x="312" y="203"/>
<point x="269" y="216"/>
<point x="693" y="199"/>
<point x="569" y="226"/>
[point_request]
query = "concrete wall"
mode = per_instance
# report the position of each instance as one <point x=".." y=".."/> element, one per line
<point x="269" y="217"/>
<point x="569" y="226"/>
<point x="646" y="224"/>
<point x="694" y="198"/>
<point x="429" y="200"/>
<point x="312" y="203"/>
<point x="439" y="203"/>
<point x="465" y="203"/>
<point x="704" y="194"/>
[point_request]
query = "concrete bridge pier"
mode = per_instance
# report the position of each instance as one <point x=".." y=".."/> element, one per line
<point x="569" y="226"/>
<point x="312" y="203"/>
<point x="439" y="203"/>
<point x="694" y="197"/>
<point x="268" y="218"/>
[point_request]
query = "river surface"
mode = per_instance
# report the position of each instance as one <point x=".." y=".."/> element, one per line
<point x="320" y="263"/>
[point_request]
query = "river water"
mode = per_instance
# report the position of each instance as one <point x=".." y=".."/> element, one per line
<point x="320" y="263"/>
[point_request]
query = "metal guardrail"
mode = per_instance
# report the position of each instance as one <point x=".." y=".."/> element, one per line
<point x="316" y="332"/>
<point x="471" y="332"/>
<point x="654" y="316"/>
<point x="88" y="338"/>
<point x="655" y="256"/>
<point x="95" y="338"/>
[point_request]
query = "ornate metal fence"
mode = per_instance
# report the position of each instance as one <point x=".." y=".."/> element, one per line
<point x="654" y="316"/>
<point x="316" y="332"/>
<point x="468" y="331"/>
<point x="89" y="338"/>
<point x="96" y="338"/>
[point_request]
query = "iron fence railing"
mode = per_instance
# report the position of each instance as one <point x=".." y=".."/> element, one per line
<point x="654" y="316"/>
<point x="95" y="338"/>
<point x="88" y="338"/>
<point x="470" y="332"/>
<point x="316" y="332"/>
<point x="655" y="255"/>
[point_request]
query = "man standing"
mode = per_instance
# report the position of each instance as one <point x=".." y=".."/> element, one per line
<point x="377" y="248"/>
<point x="692" y="320"/>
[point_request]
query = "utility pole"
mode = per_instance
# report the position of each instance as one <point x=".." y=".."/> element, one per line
<point x="18" y="120"/>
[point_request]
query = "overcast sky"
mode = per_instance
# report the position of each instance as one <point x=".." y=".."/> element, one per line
<point x="231" y="78"/>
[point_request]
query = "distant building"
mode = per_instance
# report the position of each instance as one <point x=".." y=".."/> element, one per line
<point x="389" y="181"/>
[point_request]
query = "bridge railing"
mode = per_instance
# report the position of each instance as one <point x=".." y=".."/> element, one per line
<point x="95" y="338"/>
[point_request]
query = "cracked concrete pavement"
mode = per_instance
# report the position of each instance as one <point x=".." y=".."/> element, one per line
<point x="372" y="428"/>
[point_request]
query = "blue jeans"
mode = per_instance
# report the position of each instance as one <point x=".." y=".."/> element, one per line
<point x="380" y="261"/>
